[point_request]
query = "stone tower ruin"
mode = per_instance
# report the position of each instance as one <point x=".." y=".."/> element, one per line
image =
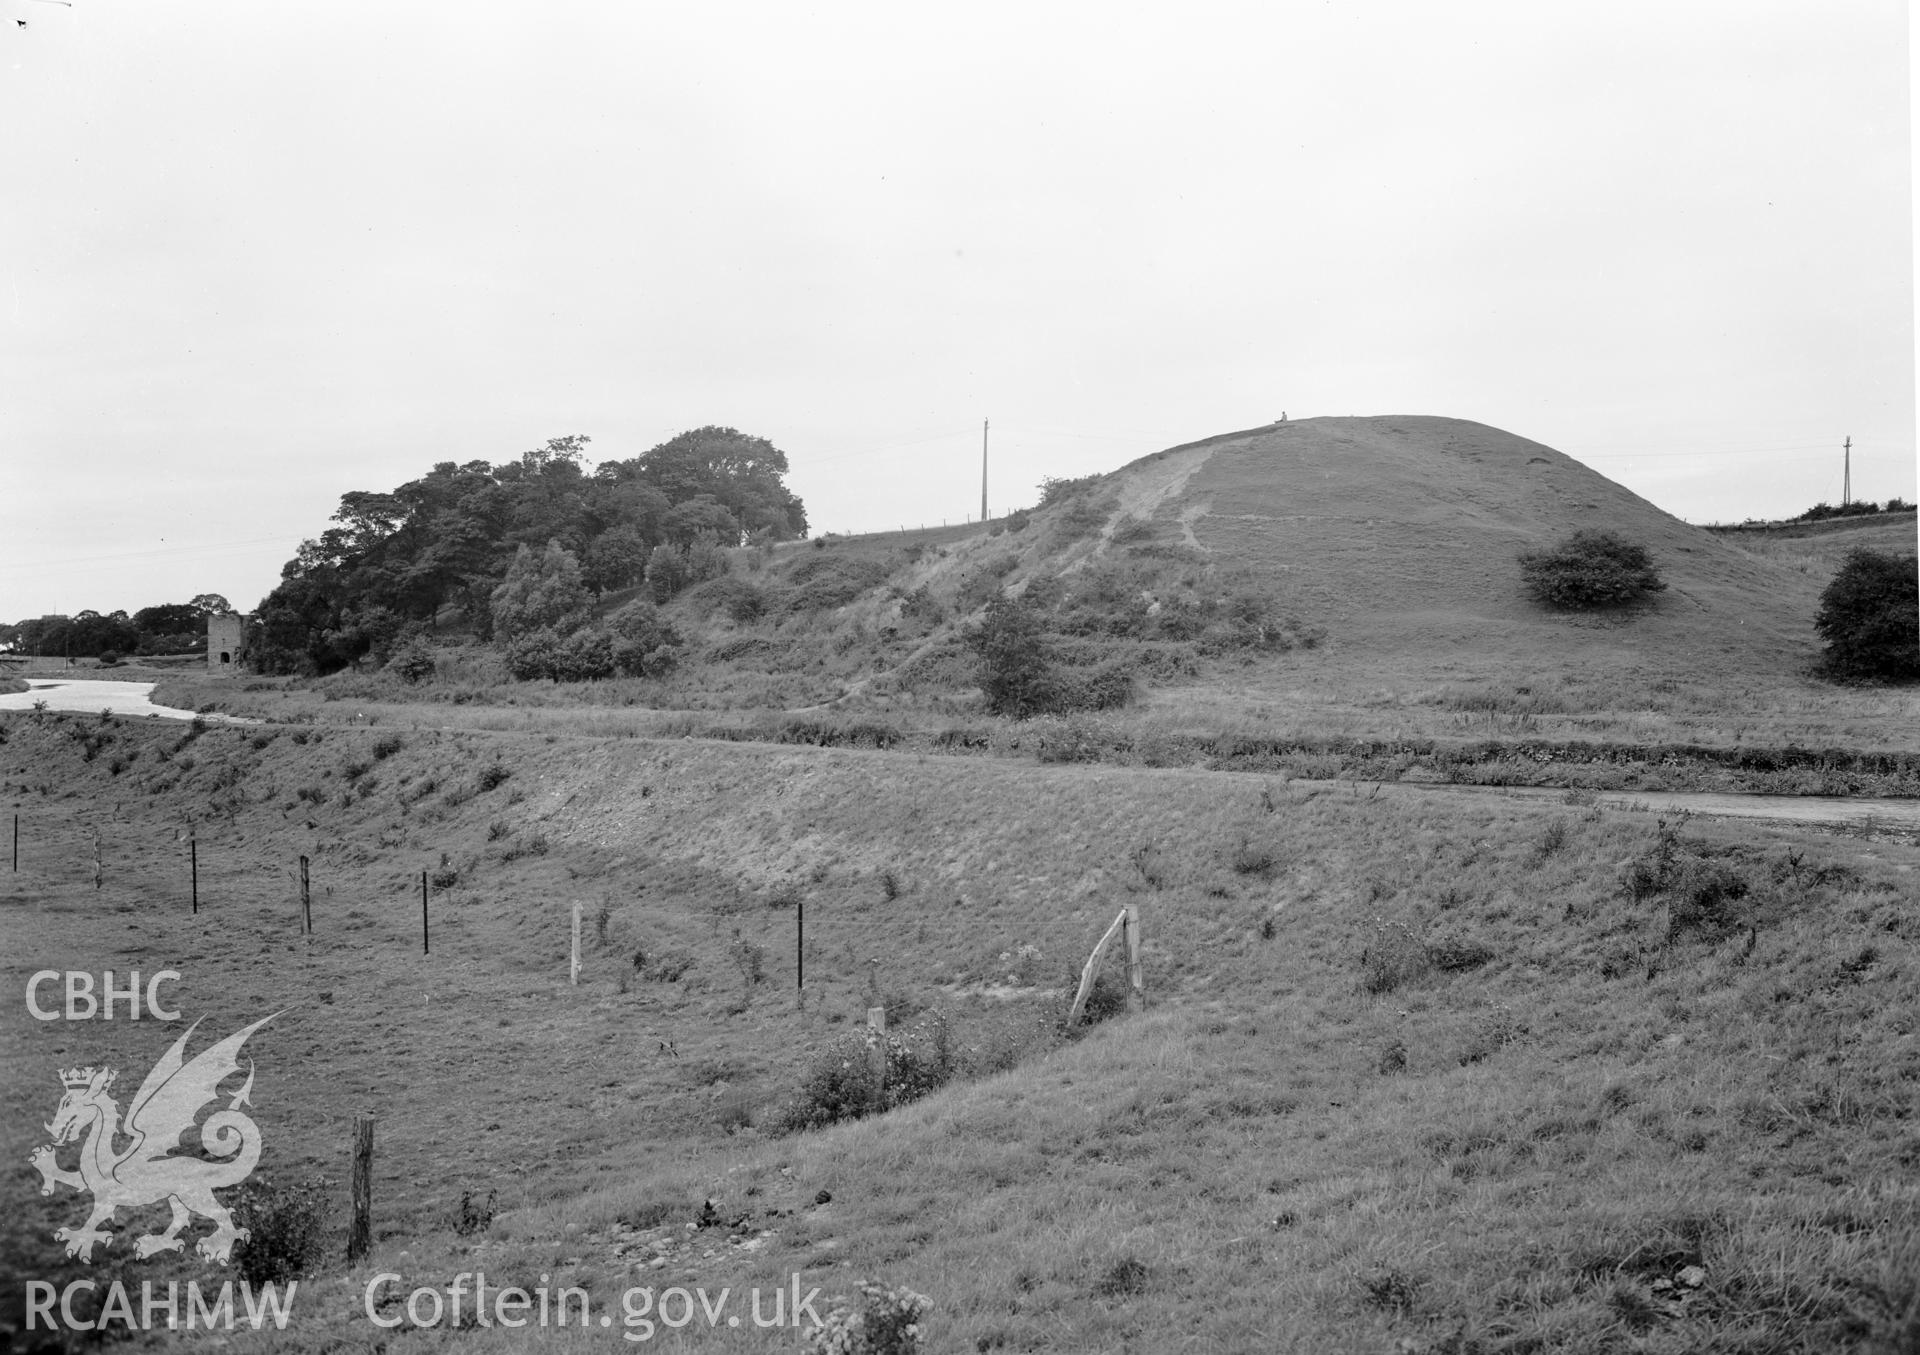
<point x="223" y="643"/>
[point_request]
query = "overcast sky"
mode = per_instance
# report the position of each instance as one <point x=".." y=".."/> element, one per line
<point x="255" y="255"/>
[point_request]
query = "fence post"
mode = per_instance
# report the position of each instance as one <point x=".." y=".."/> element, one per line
<point x="306" y="898"/>
<point x="573" y="974"/>
<point x="800" y="948"/>
<point x="360" y="1237"/>
<point x="426" y="940"/>
<point x="193" y="856"/>
<point x="16" y="844"/>
<point x="1136" y="979"/>
<point x="877" y="1053"/>
<point x="99" y="867"/>
<point x="1092" y="968"/>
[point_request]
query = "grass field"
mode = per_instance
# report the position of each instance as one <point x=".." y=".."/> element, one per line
<point x="1416" y="1074"/>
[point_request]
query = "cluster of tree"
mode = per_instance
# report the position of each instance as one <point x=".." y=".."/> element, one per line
<point x="542" y="613"/>
<point x="1857" y="508"/>
<point x="172" y="628"/>
<point x="450" y="538"/>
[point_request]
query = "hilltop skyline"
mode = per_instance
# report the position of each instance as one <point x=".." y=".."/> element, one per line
<point x="258" y="258"/>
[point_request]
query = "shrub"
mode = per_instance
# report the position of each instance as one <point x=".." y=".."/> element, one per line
<point x="1456" y="955"/>
<point x="1083" y="516"/>
<point x="1590" y="570"/>
<point x="839" y="1084"/>
<point x="1394" y="956"/>
<point x="742" y="601"/>
<point x="643" y="645"/>
<point x="822" y="582"/>
<point x="887" y="1322"/>
<point x="1015" y="673"/>
<point x="584" y="656"/>
<point x="285" y="1228"/>
<point x="475" y="1216"/>
<point x="668" y="966"/>
<point x="668" y="571"/>
<point x="1253" y="858"/>
<point x="412" y="661"/>
<point x="1870" y="618"/>
<point x="1056" y="490"/>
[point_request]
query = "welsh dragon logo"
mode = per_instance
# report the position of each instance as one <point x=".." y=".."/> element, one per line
<point x="146" y="1171"/>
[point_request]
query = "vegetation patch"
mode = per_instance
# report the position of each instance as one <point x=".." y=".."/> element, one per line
<point x="1590" y="570"/>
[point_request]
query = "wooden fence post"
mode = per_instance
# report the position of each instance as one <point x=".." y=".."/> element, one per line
<point x="573" y="974"/>
<point x="360" y="1236"/>
<point x="1136" y="980"/>
<point x="877" y="1053"/>
<point x="799" y="947"/>
<point x="426" y="940"/>
<point x="99" y="867"/>
<point x="193" y="857"/>
<point x="1092" y="969"/>
<point x="16" y="844"/>
<point x="306" y="898"/>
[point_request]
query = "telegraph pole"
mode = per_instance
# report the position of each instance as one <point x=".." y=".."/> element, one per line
<point x="983" y="470"/>
<point x="1846" y="475"/>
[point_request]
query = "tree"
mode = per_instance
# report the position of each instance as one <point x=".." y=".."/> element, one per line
<point x="643" y="644"/>
<point x="617" y="558"/>
<point x="1015" y="668"/>
<point x="540" y="592"/>
<point x="211" y="604"/>
<point x="668" y="571"/>
<point x="744" y="475"/>
<point x="1870" y="618"/>
<point x="1590" y="570"/>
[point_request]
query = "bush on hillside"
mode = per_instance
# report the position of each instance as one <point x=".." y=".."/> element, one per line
<point x="1015" y="669"/>
<point x="743" y="602"/>
<point x="643" y="643"/>
<point x="1590" y="570"/>
<point x="285" y="1229"/>
<point x="824" y="581"/>
<point x="1019" y="674"/>
<point x="1870" y="618"/>
<point x="412" y="661"/>
<point x="840" y="1083"/>
<point x="1054" y="489"/>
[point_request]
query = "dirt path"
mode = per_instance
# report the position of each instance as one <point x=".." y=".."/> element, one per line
<point x="1850" y="811"/>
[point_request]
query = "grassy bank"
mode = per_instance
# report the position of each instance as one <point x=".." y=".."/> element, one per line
<point x="1496" y="737"/>
<point x="1417" y="1074"/>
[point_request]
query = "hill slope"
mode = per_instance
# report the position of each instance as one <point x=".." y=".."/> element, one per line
<point x="1401" y="531"/>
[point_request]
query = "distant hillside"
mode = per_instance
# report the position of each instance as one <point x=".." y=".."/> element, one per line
<point x="1347" y="554"/>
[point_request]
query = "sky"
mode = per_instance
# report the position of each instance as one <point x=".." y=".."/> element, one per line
<point x="256" y="256"/>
